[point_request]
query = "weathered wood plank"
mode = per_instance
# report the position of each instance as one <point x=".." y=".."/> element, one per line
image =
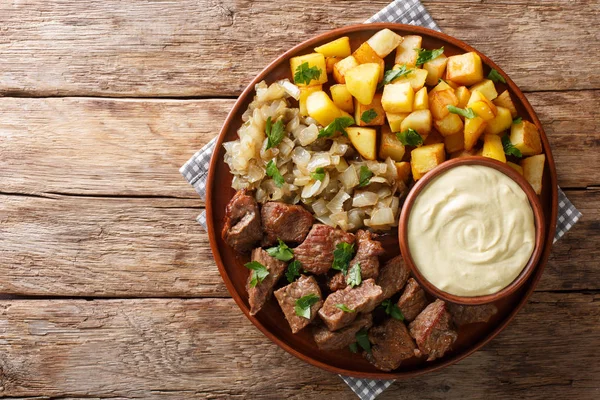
<point x="207" y="349"/>
<point x="123" y="247"/>
<point x="213" y="48"/>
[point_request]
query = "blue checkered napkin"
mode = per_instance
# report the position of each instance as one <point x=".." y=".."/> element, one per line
<point x="412" y="12"/>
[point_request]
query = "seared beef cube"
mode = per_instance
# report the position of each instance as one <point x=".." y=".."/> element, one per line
<point x="287" y="222"/>
<point x="287" y="296"/>
<point x="432" y="330"/>
<point x="327" y="340"/>
<point x="367" y="254"/>
<point x="259" y="294"/>
<point x="242" y="229"/>
<point x="316" y="252"/>
<point x="337" y="282"/>
<point x="463" y="315"/>
<point x="390" y="345"/>
<point x="412" y="301"/>
<point x="363" y="298"/>
<point x="392" y="277"/>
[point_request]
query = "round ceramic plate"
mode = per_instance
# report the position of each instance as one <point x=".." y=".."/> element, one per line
<point x="270" y="319"/>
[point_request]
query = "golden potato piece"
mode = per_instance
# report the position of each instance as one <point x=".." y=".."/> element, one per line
<point x="341" y="67"/>
<point x="320" y="107"/>
<point x="454" y="142"/>
<point x="435" y="69"/>
<point x="395" y="120"/>
<point x="398" y="98"/>
<point x="449" y="125"/>
<point x="415" y="77"/>
<point x="439" y="102"/>
<point x="483" y="107"/>
<point x="487" y="88"/>
<point x="406" y="53"/>
<point x="421" y="100"/>
<point x="377" y="110"/>
<point x="525" y="137"/>
<point x="419" y="120"/>
<point x="314" y="60"/>
<point x="501" y="122"/>
<point x="442" y="85"/>
<point x="464" y="69"/>
<point x="361" y="81"/>
<point x="337" y="48"/>
<point x="462" y="94"/>
<point x="533" y="171"/>
<point x="504" y="100"/>
<point x="384" y="42"/>
<point x="390" y="146"/>
<point x="403" y="169"/>
<point x="426" y="158"/>
<point x="366" y="55"/>
<point x="305" y="91"/>
<point x="492" y="148"/>
<point x="342" y="97"/>
<point x="363" y="140"/>
<point x="474" y="127"/>
<point x="330" y="63"/>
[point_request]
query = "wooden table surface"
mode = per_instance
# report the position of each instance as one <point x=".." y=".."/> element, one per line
<point x="110" y="289"/>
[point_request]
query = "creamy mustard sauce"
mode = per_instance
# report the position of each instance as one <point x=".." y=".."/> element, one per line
<point x="471" y="231"/>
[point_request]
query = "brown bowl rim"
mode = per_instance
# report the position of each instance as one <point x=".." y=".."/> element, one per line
<point x="538" y="216"/>
<point x="216" y="157"/>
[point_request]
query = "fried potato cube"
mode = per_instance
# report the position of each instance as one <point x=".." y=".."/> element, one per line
<point x="419" y="120"/>
<point x="439" y="102"/>
<point x="533" y="171"/>
<point x="395" y="120"/>
<point x="330" y="63"/>
<point x="364" y="141"/>
<point x="314" y="60"/>
<point x="516" y="167"/>
<point x="504" y="100"/>
<point x="376" y="106"/>
<point x="390" y="146"/>
<point x="305" y="91"/>
<point x="421" y="100"/>
<point x="366" y="55"/>
<point x="415" y="77"/>
<point x="342" y="97"/>
<point x="403" y="168"/>
<point x="449" y="125"/>
<point x="487" y="88"/>
<point x="384" y="42"/>
<point x="492" y="148"/>
<point x="462" y="154"/>
<point x="435" y="69"/>
<point x="525" y="137"/>
<point x="337" y="48"/>
<point x="474" y="127"/>
<point x="454" y="142"/>
<point x="361" y="81"/>
<point x="320" y="107"/>
<point x="406" y="53"/>
<point x="483" y="107"/>
<point x="398" y="97"/>
<point x="426" y="158"/>
<point x="341" y="67"/>
<point x="462" y="94"/>
<point x="433" y="138"/>
<point x="442" y="85"/>
<point x="501" y="122"/>
<point x="464" y="69"/>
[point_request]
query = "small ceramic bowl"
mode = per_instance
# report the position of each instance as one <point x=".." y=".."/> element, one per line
<point x="537" y="215"/>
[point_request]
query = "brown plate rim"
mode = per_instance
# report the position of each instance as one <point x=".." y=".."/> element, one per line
<point x="215" y="159"/>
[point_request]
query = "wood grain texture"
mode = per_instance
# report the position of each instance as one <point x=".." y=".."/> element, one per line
<point x="213" y="48"/>
<point x="207" y="349"/>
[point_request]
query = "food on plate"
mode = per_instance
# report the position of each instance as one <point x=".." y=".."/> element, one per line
<point x="242" y="228"/>
<point x="391" y="343"/>
<point x="526" y="138"/>
<point x="316" y="253"/>
<point x="336" y="48"/>
<point x="342" y="338"/>
<point x="533" y="171"/>
<point x="464" y="315"/>
<point x="471" y="231"/>
<point x="392" y="277"/>
<point x="260" y="286"/>
<point x="412" y="301"/>
<point x="300" y="301"/>
<point x="433" y="330"/>
<point x="286" y="222"/>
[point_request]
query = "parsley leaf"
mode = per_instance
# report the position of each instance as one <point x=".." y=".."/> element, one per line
<point x="305" y="74"/>
<point x="273" y="172"/>
<point x="304" y="303"/>
<point x="368" y="116"/>
<point x="281" y="252"/>
<point x="293" y="271"/>
<point x="509" y="148"/>
<point x="354" y="278"/>
<point x="344" y="308"/>
<point x="392" y="309"/>
<point x="338" y="125"/>
<point x="364" y="176"/>
<point x="410" y="137"/>
<point x="318" y="175"/>
<point x="495" y="76"/>
<point x="517" y="120"/>
<point x="259" y="272"/>
<point x="341" y="256"/>
<point x="362" y="338"/>
<point x="464" y="112"/>
<point x="275" y="133"/>
<point x="428" y="55"/>
<point x="353" y="347"/>
<point x="393" y="74"/>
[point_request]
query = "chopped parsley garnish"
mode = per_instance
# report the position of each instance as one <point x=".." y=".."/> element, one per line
<point x="305" y="74"/>
<point x="464" y="112"/>
<point x="392" y="309"/>
<point x="364" y="176"/>
<point x="353" y="347"/>
<point x="259" y="272"/>
<point x="281" y="251"/>
<point x="293" y="271"/>
<point x="318" y="175"/>
<point x="495" y="76"/>
<point x="410" y="137"/>
<point x="393" y="74"/>
<point x="354" y="278"/>
<point x="275" y="133"/>
<point x="341" y="257"/>
<point x="362" y="338"/>
<point x="304" y="303"/>
<point x="368" y="116"/>
<point x="344" y="308"/>
<point x="273" y="172"/>
<point x="509" y="148"/>
<point x="517" y="120"/>
<point x="338" y="125"/>
<point x="428" y="55"/>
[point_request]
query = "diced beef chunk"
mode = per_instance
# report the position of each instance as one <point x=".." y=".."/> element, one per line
<point x="363" y="298"/>
<point x="392" y="277"/>
<point x="432" y="330"/>
<point x="367" y="254"/>
<point x="463" y="315"/>
<point x="327" y="340"/>
<point x="287" y="222"/>
<point x="390" y="345"/>
<point x="412" y="301"/>
<point x="316" y="252"/>
<point x="242" y="229"/>
<point x="259" y="294"/>
<point x="287" y="296"/>
<point x="337" y="282"/>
